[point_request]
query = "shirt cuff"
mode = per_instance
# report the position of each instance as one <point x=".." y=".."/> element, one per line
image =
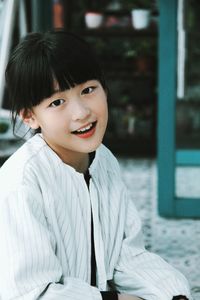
<point x="109" y="295"/>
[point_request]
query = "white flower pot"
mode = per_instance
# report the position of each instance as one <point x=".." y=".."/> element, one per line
<point x="140" y="18"/>
<point x="93" y="19"/>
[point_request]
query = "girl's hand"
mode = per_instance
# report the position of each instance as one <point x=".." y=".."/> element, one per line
<point x="127" y="297"/>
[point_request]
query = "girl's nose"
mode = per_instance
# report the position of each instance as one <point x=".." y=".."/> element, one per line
<point x="80" y="111"/>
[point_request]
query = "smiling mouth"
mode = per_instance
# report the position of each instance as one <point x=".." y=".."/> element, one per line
<point x="90" y="127"/>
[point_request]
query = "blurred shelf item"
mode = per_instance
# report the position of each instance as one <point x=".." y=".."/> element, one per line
<point x="118" y="32"/>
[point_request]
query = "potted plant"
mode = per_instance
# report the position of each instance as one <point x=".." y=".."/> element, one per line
<point x="145" y="56"/>
<point x="140" y="12"/>
<point x="142" y="54"/>
<point x="94" y="15"/>
<point x="93" y="19"/>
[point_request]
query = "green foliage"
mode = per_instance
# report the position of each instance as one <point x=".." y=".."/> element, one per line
<point x="123" y="50"/>
<point x="141" y="48"/>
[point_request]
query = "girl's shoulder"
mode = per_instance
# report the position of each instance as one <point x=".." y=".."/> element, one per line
<point x="13" y="171"/>
<point x="106" y="160"/>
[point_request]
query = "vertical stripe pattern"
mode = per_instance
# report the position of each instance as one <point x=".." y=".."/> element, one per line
<point x="45" y="231"/>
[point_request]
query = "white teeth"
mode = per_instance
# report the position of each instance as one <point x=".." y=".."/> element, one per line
<point x="85" y="128"/>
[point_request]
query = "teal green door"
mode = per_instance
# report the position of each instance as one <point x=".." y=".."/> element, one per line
<point x="178" y="147"/>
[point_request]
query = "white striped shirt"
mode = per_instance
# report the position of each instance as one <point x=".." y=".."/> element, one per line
<point x="45" y="231"/>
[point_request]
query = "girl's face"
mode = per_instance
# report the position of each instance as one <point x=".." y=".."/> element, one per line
<point x="73" y="121"/>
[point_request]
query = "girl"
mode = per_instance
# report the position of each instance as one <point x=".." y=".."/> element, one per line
<point x="68" y="229"/>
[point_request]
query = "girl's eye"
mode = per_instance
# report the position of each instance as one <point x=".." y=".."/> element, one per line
<point x="57" y="102"/>
<point x="88" y="90"/>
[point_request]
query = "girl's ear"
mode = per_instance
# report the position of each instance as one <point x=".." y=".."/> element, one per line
<point x="29" y="118"/>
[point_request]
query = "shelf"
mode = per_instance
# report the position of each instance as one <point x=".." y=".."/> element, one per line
<point x="118" y="32"/>
<point x="117" y="12"/>
<point x="127" y="12"/>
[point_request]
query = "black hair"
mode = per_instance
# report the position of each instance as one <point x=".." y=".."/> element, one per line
<point x="40" y="60"/>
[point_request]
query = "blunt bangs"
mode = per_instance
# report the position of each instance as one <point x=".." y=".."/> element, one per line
<point x="74" y="62"/>
<point x="41" y="61"/>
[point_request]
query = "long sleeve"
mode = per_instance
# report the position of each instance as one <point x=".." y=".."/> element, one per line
<point x="141" y="273"/>
<point x="29" y="268"/>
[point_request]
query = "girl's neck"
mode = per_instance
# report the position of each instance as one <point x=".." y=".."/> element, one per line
<point x="79" y="162"/>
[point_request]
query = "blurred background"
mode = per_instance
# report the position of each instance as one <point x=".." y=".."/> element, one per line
<point x="150" y="53"/>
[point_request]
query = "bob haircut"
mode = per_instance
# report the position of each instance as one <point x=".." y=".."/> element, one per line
<point x="42" y="59"/>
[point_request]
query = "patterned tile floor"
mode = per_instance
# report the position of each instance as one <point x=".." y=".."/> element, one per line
<point x="178" y="241"/>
